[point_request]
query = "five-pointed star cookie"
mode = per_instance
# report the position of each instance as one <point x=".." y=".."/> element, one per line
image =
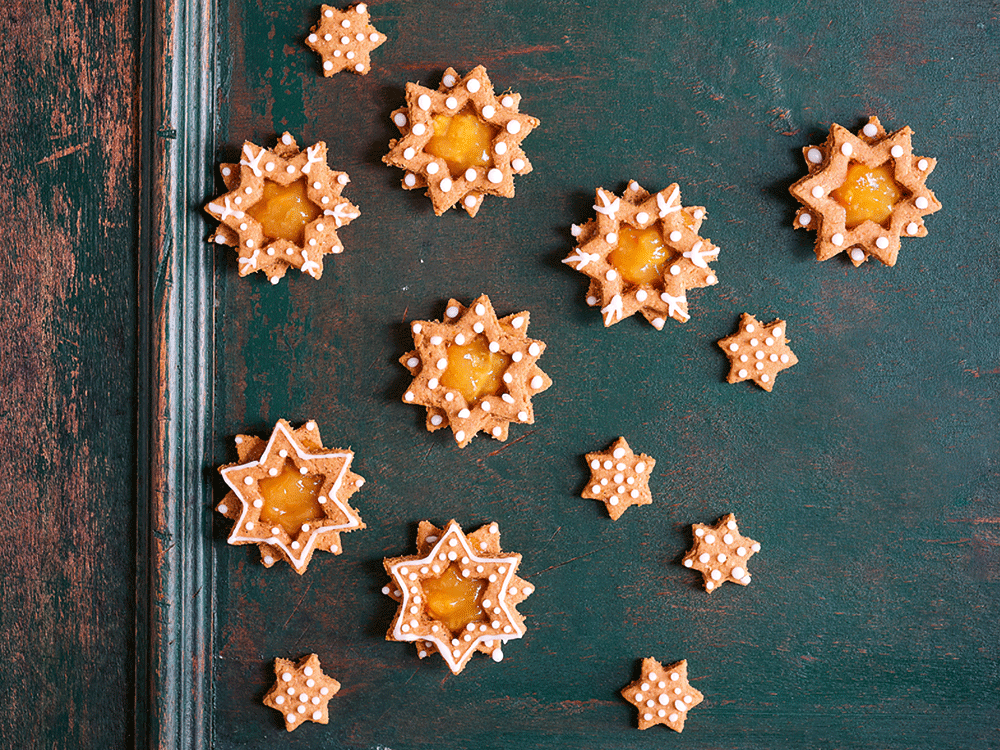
<point x="475" y="557"/>
<point x="619" y="478"/>
<point x="262" y="173"/>
<point x="302" y="692"/>
<point x="260" y="522"/>
<point x="662" y="694"/>
<point x="757" y="352"/>
<point x="829" y="165"/>
<point x="672" y="256"/>
<point x="427" y="111"/>
<point x="720" y="553"/>
<point x="471" y="327"/>
<point x="344" y="39"/>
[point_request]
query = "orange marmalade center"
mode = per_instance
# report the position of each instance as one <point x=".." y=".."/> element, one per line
<point x="640" y="255"/>
<point x="474" y="371"/>
<point x="462" y="140"/>
<point x="454" y="600"/>
<point x="868" y="194"/>
<point x="291" y="499"/>
<point x="284" y="211"/>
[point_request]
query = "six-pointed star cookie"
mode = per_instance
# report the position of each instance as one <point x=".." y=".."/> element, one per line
<point x="720" y="553"/>
<point x="830" y="166"/>
<point x="642" y="254"/>
<point x="344" y="39"/>
<point x="290" y="463"/>
<point x="302" y="692"/>
<point x="662" y="694"/>
<point x="619" y="478"/>
<point x="474" y="559"/>
<point x="434" y="157"/>
<point x="757" y="352"/>
<point x="474" y="372"/>
<point x="265" y="191"/>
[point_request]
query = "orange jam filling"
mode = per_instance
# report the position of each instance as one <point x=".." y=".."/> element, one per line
<point x="867" y="194"/>
<point x="462" y="140"/>
<point x="454" y="600"/>
<point x="284" y="211"/>
<point x="291" y="499"/>
<point x="640" y="255"/>
<point x="474" y="371"/>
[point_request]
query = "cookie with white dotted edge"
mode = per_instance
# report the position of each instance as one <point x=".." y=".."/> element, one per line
<point x="720" y="553"/>
<point x="757" y="352"/>
<point x="678" y="227"/>
<point x="301" y="692"/>
<point x="415" y="122"/>
<point x="828" y="164"/>
<point x="261" y="459"/>
<point x="619" y="478"/>
<point x="662" y="694"/>
<point x="245" y="185"/>
<point x="345" y="39"/>
<point x="478" y="555"/>
<point x="447" y="407"/>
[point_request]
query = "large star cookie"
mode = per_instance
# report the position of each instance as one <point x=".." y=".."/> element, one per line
<point x="642" y="253"/>
<point x="720" y="553"/>
<point x="344" y="39"/>
<point x="302" y="692"/>
<point x="663" y="695"/>
<point x="282" y="209"/>
<point x="289" y="495"/>
<point x="619" y="478"/>
<point x="474" y="372"/>
<point x="757" y="352"/>
<point x="863" y="192"/>
<point x="460" y="142"/>
<point x="457" y="595"/>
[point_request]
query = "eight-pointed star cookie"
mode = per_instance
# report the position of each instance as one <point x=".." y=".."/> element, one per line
<point x="720" y="553"/>
<point x="301" y="692"/>
<point x="290" y="450"/>
<point x="619" y="478"/>
<point x="681" y="262"/>
<point x="262" y="169"/>
<point x="828" y="166"/>
<point x="418" y="122"/>
<point x="344" y="39"/>
<point x="663" y="695"/>
<point x="757" y="352"/>
<point x="506" y="338"/>
<point x="478" y="557"/>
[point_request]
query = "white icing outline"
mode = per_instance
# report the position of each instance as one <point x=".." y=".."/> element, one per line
<point x="254" y="160"/>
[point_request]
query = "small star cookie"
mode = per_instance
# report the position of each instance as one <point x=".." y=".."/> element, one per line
<point x="345" y="39"/>
<point x="282" y="209"/>
<point x="757" y="352"/>
<point x="642" y="253"/>
<point x="302" y="692"/>
<point x="663" y="695"/>
<point x="720" y="553"/>
<point x="450" y="567"/>
<point x="289" y="495"/>
<point x="474" y="372"/>
<point x="878" y="174"/>
<point x="619" y="478"/>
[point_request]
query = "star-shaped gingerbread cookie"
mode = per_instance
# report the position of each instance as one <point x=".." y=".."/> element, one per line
<point x="461" y="142"/>
<point x="757" y="352"/>
<point x="289" y="495"/>
<point x="345" y="39"/>
<point x="663" y="695"/>
<point x="863" y="192"/>
<point x="473" y="371"/>
<point x="619" y="478"/>
<point x="642" y="254"/>
<point x="302" y="692"/>
<point x="457" y="595"/>
<point x="282" y="209"/>
<point x="720" y="553"/>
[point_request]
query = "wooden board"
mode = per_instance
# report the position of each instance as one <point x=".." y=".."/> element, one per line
<point x="868" y="474"/>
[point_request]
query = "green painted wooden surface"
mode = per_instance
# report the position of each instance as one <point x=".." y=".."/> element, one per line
<point x="869" y="474"/>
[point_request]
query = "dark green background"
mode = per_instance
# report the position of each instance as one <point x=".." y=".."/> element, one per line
<point x="868" y="475"/>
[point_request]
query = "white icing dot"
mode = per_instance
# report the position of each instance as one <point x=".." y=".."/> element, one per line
<point x="870" y="130"/>
<point x="424" y="101"/>
<point x="517" y="322"/>
<point x="882" y="242"/>
<point x="896" y="151"/>
<point x="640" y="467"/>
<point x="760" y="365"/>
<point x="847" y="149"/>
<point x="459" y="436"/>
<point x="837" y="239"/>
<point x="921" y="202"/>
<point x="776" y="332"/>
<point x="537" y="382"/>
<point x="517" y="164"/>
<point x="922" y="165"/>
<point x="755" y="547"/>
<point x="611" y="275"/>
<point x="507" y="101"/>
<point x="641" y="295"/>
<point x="432" y="167"/>
<point x="857" y="254"/>
<point x="738" y="572"/>
<point x="451" y="102"/>
<point x="699" y="532"/>
<point x="513" y="127"/>
<point x="408" y="396"/>
<point x="805" y="219"/>
<point x="534" y="350"/>
<point x="642" y="217"/>
<point x="912" y="228"/>
<point x="814" y="155"/>
<point x="742" y="373"/>
<point x="704" y="557"/>
<point x="445" y="185"/>
<point x="286" y="676"/>
<point x="500" y="148"/>
<point x="522" y="416"/>
<point x="472" y="85"/>
<point x="448" y="80"/>
<point x="817" y="191"/>
<point x="495" y="176"/>
<point x="716" y="575"/>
